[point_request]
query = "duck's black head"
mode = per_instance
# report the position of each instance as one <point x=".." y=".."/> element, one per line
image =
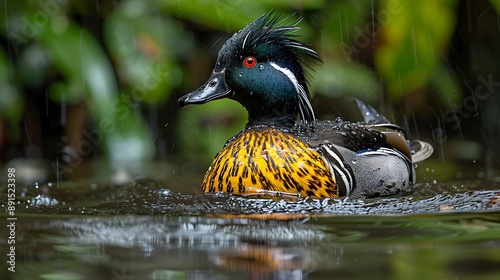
<point x="261" y="67"/>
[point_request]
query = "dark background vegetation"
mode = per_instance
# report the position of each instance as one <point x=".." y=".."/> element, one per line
<point x="96" y="82"/>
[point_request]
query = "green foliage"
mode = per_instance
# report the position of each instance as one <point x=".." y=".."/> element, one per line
<point x="413" y="37"/>
<point x="144" y="50"/>
<point x="445" y="84"/>
<point x="90" y="78"/>
<point x="140" y="42"/>
<point x="231" y="15"/>
<point x="343" y="79"/>
<point x="77" y="55"/>
<point x="45" y="38"/>
<point x="495" y="4"/>
<point x="343" y="19"/>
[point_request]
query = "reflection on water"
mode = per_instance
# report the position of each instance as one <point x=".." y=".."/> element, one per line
<point x="143" y="230"/>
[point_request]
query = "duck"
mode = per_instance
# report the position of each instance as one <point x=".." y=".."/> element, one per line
<point x="283" y="150"/>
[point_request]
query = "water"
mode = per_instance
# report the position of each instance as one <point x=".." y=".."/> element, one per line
<point x="144" y="229"/>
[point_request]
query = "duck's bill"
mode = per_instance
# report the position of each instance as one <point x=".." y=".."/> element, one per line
<point x="214" y="88"/>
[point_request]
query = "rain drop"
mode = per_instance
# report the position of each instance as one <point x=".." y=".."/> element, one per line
<point x="241" y="74"/>
<point x="261" y="67"/>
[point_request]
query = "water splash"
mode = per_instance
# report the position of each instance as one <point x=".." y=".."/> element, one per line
<point x="147" y="197"/>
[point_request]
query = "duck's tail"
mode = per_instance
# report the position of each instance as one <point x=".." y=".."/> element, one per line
<point x="420" y="151"/>
<point x="415" y="150"/>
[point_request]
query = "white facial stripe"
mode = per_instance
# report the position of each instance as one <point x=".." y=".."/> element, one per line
<point x="304" y="102"/>
<point x="303" y="99"/>
<point x="287" y="73"/>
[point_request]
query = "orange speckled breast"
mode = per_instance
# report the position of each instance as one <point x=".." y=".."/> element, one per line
<point x="269" y="159"/>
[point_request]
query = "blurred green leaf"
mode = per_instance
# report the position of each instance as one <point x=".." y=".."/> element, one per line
<point x="496" y="5"/>
<point x="71" y="91"/>
<point x="88" y="71"/>
<point x="343" y="19"/>
<point x="231" y="14"/>
<point x="412" y="40"/>
<point x="446" y="86"/>
<point x="341" y="79"/>
<point x="216" y="14"/>
<point x="11" y="101"/>
<point x="143" y="44"/>
<point x="79" y="58"/>
<point x="129" y="138"/>
<point x="33" y="65"/>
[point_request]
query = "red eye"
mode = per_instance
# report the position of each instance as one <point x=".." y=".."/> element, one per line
<point x="250" y="61"/>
